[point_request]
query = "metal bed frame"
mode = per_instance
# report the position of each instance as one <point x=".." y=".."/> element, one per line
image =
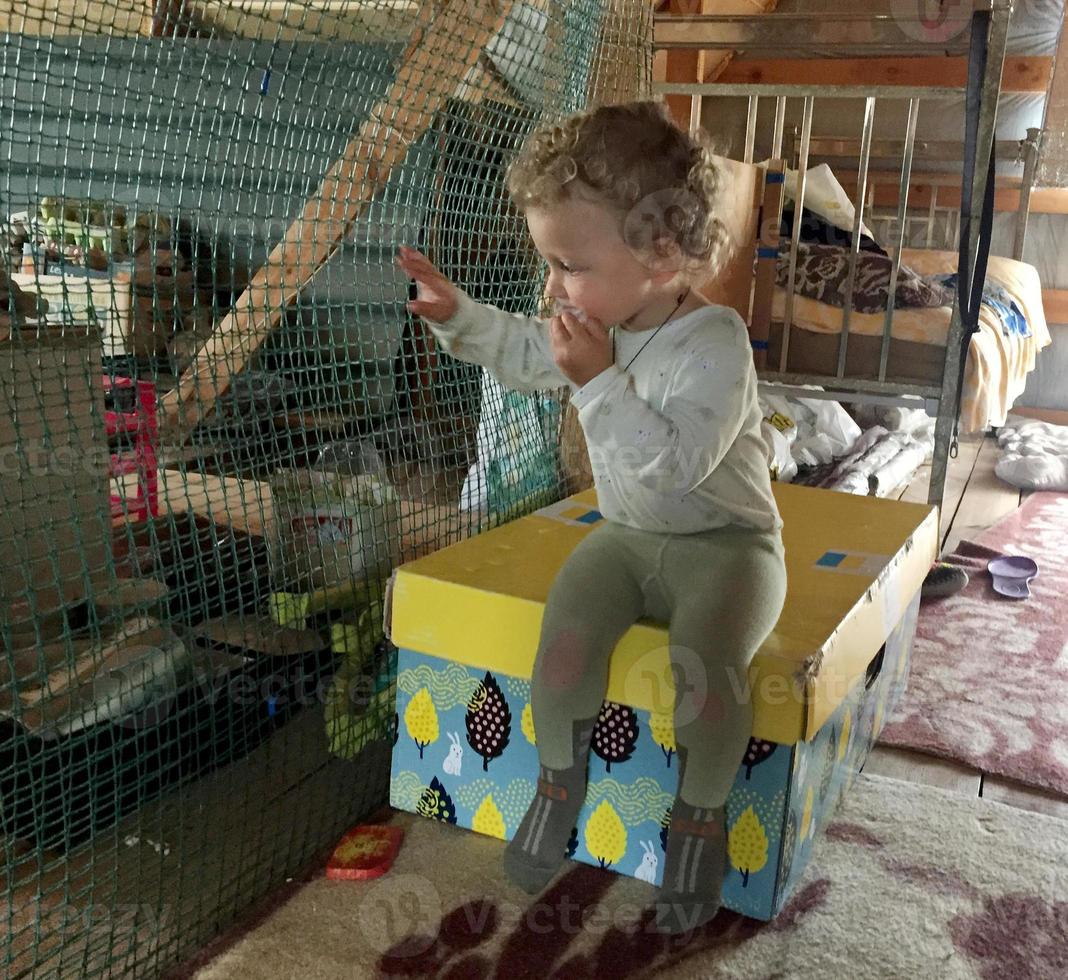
<point x="880" y="30"/>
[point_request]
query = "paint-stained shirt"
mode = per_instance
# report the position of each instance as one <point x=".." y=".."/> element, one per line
<point x="672" y="428"/>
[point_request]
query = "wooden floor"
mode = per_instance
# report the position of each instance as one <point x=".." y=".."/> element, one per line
<point x="974" y="500"/>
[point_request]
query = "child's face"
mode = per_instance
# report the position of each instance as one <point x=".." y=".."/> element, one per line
<point x="590" y="265"/>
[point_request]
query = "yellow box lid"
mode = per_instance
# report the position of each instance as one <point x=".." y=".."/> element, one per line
<point x="853" y="566"/>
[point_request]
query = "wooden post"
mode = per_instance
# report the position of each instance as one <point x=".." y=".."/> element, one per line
<point x="445" y="46"/>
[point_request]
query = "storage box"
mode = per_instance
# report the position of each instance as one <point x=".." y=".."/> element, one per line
<point x="54" y="501"/>
<point x="466" y="621"/>
<point x="73" y="763"/>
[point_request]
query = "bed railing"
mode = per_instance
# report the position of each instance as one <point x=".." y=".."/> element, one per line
<point x="845" y="150"/>
<point x="885" y="28"/>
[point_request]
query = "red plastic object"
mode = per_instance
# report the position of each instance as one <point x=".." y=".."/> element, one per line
<point x="365" y="852"/>
<point x="142" y="424"/>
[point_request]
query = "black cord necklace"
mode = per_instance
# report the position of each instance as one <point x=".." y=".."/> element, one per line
<point x="678" y="306"/>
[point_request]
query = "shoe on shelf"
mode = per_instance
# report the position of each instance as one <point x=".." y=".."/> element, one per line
<point x="943" y="580"/>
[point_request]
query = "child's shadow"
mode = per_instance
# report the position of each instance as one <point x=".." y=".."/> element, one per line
<point x="482" y="939"/>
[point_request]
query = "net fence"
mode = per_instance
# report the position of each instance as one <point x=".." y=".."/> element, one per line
<point x="220" y="428"/>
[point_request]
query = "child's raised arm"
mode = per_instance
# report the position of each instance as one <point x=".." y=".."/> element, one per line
<point x="515" y="349"/>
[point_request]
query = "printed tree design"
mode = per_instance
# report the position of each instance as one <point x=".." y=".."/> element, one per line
<point x="489" y="720"/>
<point x="747" y="845"/>
<point x="757" y="751"/>
<point x="828" y="765"/>
<point x="665" y="823"/>
<point x="487" y="819"/>
<point x="606" y="837"/>
<point x="616" y="733"/>
<point x="662" y="728"/>
<point x="436" y="802"/>
<point x="421" y="719"/>
<point x="396" y="727"/>
<point x="806" y="814"/>
<point x="572" y="843"/>
<point x="843" y="738"/>
<point x="789" y="845"/>
<point x="526" y="723"/>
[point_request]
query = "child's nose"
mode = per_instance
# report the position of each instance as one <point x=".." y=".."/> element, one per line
<point x="555" y="287"/>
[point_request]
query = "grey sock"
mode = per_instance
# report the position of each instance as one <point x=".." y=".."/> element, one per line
<point x="694" y="866"/>
<point x="540" y="844"/>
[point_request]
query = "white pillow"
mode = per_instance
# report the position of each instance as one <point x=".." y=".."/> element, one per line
<point x="824" y="196"/>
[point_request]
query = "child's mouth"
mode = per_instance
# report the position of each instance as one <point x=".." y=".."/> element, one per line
<point x="560" y="307"/>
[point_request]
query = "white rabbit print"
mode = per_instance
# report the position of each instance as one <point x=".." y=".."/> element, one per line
<point x="647" y="869"/>
<point x="454" y="761"/>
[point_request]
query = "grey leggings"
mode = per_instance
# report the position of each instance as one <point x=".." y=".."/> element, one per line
<point x="720" y="592"/>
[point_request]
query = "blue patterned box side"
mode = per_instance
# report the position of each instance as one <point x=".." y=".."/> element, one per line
<point x="466" y="755"/>
<point x="825" y="768"/>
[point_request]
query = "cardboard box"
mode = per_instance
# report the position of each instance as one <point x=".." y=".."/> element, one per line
<point x="54" y="496"/>
<point x="466" y="621"/>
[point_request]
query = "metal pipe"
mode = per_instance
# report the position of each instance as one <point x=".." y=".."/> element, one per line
<point x="795" y="233"/>
<point x="945" y="425"/>
<point x="1030" y="148"/>
<point x="870" y="385"/>
<point x="797" y="91"/>
<point x="777" y="387"/>
<point x="750" y="128"/>
<point x="776" y="133"/>
<point x="858" y="223"/>
<point x="902" y="209"/>
<point x="695" y="113"/>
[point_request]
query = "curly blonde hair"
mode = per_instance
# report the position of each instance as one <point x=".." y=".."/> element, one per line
<point x="664" y="184"/>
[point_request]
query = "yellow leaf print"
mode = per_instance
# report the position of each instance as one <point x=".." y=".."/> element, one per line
<point x="747" y="844"/>
<point x="421" y="719"/>
<point x="487" y="819"/>
<point x="806" y="815"/>
<point x="843" y="739"/>
<point x="526" y="723"/>
<point x="606" y="837"/>
<point x="662" y="728"/>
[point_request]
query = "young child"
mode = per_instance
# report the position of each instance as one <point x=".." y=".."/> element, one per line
<point x="621" y="205"/>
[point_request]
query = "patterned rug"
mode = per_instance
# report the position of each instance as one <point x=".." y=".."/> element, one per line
<point x="989" y="680"/>
<point x="910" y="881"/>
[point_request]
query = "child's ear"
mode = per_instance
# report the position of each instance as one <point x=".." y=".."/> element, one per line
<point x="666" y="259"/>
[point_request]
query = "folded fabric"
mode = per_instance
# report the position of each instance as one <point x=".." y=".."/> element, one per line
<point x="1034" y="455"/>
<point x="822" y="272"/>
<point x="815" y="230"/>
<point x="1013" y="322"/>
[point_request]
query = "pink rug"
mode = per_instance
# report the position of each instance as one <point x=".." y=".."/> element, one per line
<point x="989" y="679"/>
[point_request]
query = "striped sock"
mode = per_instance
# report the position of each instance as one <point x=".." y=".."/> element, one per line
<point x="539" y="846"/>
<point x="694" y="866"/>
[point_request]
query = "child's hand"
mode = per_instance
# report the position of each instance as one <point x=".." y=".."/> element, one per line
<point x="437" y="296"/>
<point x="582" y="350"/>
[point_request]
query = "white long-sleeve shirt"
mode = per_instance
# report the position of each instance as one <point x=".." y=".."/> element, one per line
<point x="674" y="440"/>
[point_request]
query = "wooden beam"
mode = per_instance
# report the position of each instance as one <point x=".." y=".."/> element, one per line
<point x="694" y="66"/>
<point x="1020" y="74"/>
<point x="58" y="18"/>
<point x="436" y="60"/>
<point x="320" y="20"/>
<point x="1044" y="200"/>
<point x="1053" y="161"/>
<point x="1055" y="305"/>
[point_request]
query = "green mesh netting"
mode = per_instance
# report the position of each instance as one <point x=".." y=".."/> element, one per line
<point x="220" y="429"/>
